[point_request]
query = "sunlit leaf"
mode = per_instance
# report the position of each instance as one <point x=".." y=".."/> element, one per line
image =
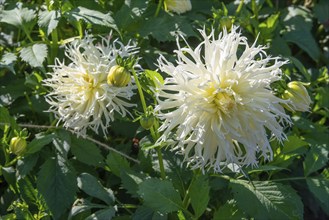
<point x="34" y="55"/>
<point x="266" y="198"/>
<point x="49" y="20"/>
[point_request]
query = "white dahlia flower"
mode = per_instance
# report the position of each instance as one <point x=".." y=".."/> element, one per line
<point x="81" y="96"/>
<point x="178" y="6"/>
<point x="217" y="103"/>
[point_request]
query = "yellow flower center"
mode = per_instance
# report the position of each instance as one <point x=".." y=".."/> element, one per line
<point x="222" y="100"/>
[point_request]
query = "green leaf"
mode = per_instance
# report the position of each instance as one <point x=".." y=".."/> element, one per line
<point x="57" y="184"/>
<point x="160" y="195"/>
<point x="39" y="142"/>
<point x="90" y="185"/>
<point x="49" y="20"/>
<point x="34" y="55"/>
<point x="131" y="180"/>
<point x="300" y="67"/>
<point x="146" y="213"/>
<point x="306" y="43"/>
<point x="229" y="210"/>
<point x="8" y="60"/>
<point x="315" y="159"/>
<point x="199" y="194"/>
<point x="320" y="189"/>
<point x="62" y="142"/>
<point x="166" y="27"/>
<point x="10" y="177"/>
<point x="108" y="213"/>
<point x="7" y="119"/>
<point x="26" y="164"/>
<point x="92" y="16"/>
<point x="82" y="206"/>
<point x="18" y="16"/>
<point x="27" y="191"/>
<point x="117" y="163"/>
<point x="86" y="152"/>
<point x="266" y="198"/>
<point x="321" y="11"/>
<point x="293" y="143"/>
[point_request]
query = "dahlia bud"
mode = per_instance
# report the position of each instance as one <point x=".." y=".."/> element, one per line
<point x="147" y="121"/>
<point x="225" y="22"/>
<point x="178" y="6"/>
<point x="17" y="145"/>
<point x="297" y="94"/>
<point x="118" y="76"/>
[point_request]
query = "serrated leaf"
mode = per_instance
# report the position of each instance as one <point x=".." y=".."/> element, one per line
<point x="315" y="159"/>
<point x="199" y="195"/>
<point x="18" y="16"/>
<point x="26" y="164"/>
<point x="117" y="163"/>
<point x="8" y="58"/>
<point x="320" y="189"/>
<point x="160" y="195"/>
<point x="274" y="200"/>
<point x="86" y="152"/>
<point x="92" y="16"/>
<point x="49" y="20"/>
<point x="85" y="206"/>
<point x="57" y="184"/>
<point x="27" y="191"/>
<point x="34" y="55"/>
<point x="39" y="142"/>
<point x="62" y="142"/>
<point x="146" y="213"/>
<point x="108" y="213"/>
<point x="90" y="185"/>
<point x="229" y="211"/>
<point x="131" y="180"/>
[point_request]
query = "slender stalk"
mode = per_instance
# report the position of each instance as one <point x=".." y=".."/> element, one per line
<point x="289" y="179"/>
<point x="158" y="8"/>
<point x="239" y="7"/>
<point x="153" y="131"/>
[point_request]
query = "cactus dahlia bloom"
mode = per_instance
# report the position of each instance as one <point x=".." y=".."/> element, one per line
<point x="217" y="103"/>
<point x="81" y="96"/>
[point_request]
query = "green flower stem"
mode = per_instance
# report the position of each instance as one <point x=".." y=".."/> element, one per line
<point x="54" y="45"/>
<point x="158" y="8"/>
<point x="153" y="131"/>
<point x="239" y="7"/>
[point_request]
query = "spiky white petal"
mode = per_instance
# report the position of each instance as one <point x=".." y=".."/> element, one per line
<point x="80" y="96"/>
<point x="218" y="106"/>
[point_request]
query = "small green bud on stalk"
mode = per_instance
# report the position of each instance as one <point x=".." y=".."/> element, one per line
<point x="118" y="76"/>
<point x="18" y="145"/>
<point x="226" y="22"/>
<point x="147" y="121"/>
<point x="297" y="94"/>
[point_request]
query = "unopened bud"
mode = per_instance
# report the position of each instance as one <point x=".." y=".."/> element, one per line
<point x="225" y="22"/>
<point x="18" y="145"/>
<point x="147" y="121"/>
<point x="118" y="76"/>
<point x="297" y="94"/>
<point x="178" y="6"/>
